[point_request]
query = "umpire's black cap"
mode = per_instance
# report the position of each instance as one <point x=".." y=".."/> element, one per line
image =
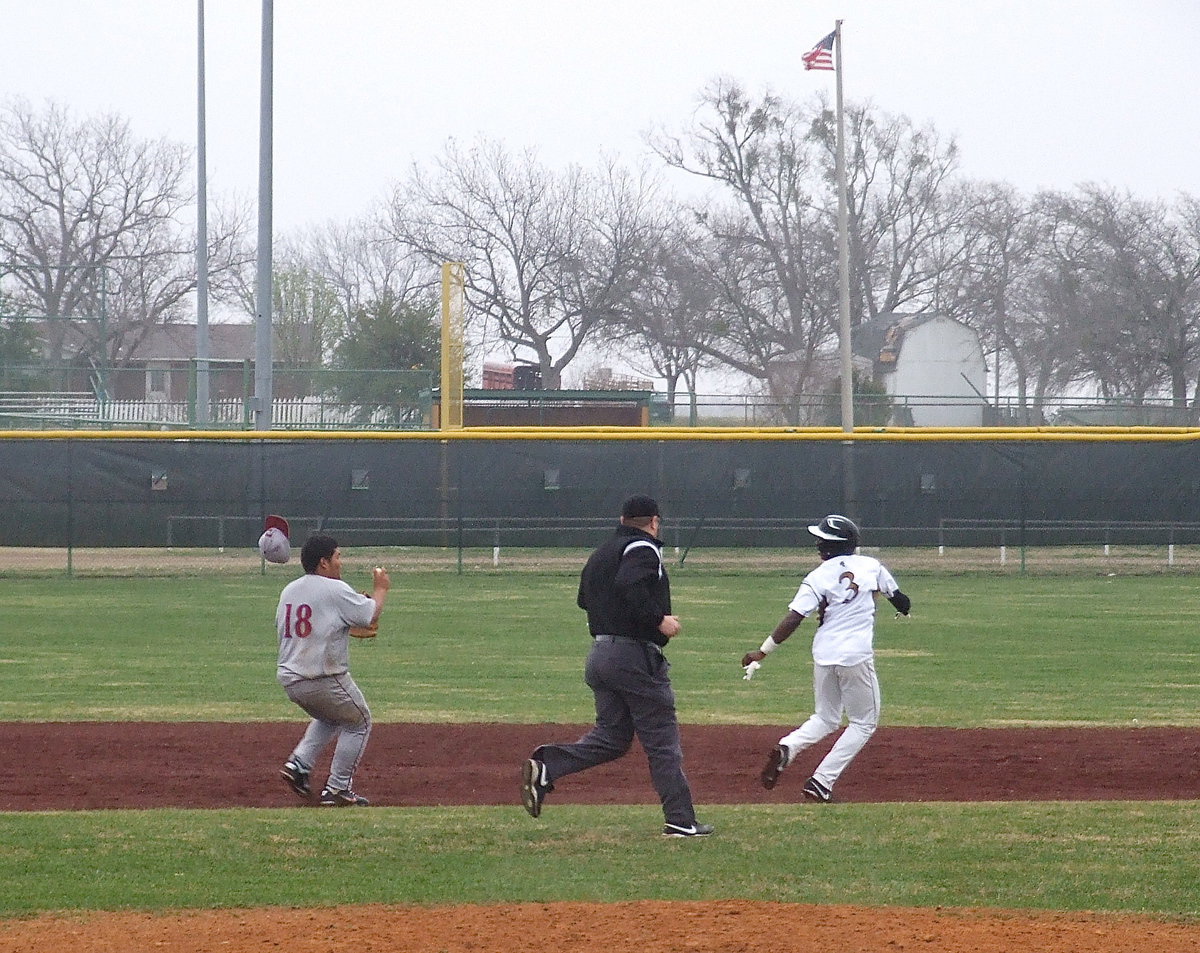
<point x="639" y="507"/>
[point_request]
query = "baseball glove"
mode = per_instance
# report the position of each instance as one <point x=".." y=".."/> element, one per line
<point x="364" y="631"/>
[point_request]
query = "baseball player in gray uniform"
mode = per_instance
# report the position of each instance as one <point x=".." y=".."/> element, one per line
<point x="313" y="622"/>
<point x="841" y="592"/>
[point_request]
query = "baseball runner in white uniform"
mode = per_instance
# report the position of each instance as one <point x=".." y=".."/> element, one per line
<point x="313" y="622"/>
<point x="841" y="592"/>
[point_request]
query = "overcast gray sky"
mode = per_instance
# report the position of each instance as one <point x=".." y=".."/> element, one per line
<point x="1038" y="92"/>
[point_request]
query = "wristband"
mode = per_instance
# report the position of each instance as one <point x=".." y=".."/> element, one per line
<point x="769" y="646"/>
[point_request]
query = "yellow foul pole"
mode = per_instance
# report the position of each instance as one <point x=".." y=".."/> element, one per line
<point x="453" y="344"/>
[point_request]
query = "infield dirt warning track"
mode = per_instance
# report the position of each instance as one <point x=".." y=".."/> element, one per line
<point x="93" y="765"/>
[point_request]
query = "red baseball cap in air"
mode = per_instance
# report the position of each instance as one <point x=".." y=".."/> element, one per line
<point x="273" y="543"/>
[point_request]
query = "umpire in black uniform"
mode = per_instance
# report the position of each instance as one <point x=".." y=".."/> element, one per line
<point x="627" y="596"/>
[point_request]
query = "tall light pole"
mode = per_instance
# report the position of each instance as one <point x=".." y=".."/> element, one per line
<point x="264" y="284"/>
<point x="202" y="350"/>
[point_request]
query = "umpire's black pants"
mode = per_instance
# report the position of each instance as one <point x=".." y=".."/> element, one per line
<point x="631" y="682"/>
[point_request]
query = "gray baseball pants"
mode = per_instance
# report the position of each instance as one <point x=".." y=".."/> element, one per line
<point x="631" y="683"/>
<point x="338" y="709"/>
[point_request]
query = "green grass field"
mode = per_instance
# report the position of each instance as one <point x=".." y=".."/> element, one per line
<point x="979" y="651"/>
<point x="1106" y="856"/>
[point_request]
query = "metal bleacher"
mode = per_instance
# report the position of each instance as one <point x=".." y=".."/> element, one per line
<point x="47" y="408"/>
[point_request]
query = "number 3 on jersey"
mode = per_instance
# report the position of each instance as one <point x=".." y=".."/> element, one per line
<point x="848" y="578"/>
<point x="298" y="624"/>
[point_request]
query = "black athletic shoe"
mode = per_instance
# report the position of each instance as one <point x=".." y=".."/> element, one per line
<point x="692" y="830"/>
<point x="296" y="776"/>
<point x="776" y="761"/>
<point x="814" y="790"/>
<point x="342" y="799"/>
<point x="534" y="786"/>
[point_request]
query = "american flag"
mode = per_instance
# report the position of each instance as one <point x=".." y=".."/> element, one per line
<point x="821" y="55"/>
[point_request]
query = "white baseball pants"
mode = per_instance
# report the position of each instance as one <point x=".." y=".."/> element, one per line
<point x="837" y="689"/>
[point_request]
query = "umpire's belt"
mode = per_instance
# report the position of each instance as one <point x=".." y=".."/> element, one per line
<point x="632" y="641"/>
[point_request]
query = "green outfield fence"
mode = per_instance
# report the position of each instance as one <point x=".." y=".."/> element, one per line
<point x="483" y="488"/>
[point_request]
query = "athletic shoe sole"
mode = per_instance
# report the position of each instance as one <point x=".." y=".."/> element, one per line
<point x="296" y="780"/>
<point x="343" y="799"/>
<point x="776" y="762"/>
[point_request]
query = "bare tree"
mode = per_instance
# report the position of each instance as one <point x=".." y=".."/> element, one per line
<point x="307" y="318"/>
<point x="1188" y="217"/>
<point x="905" y="208"/>
<point x="670" y="314"/>
<point x="1004" y="282"/>
<point x="775" y="241"/>
<point x="1092" y="289"/>
<point x="364" y="264"/>
<point x="325" y="278"/>
<point x="90" y="228"/>
<point x="771" y="250"/>
<point x="1146" y="257"/>
<point x="549" y="258"/>
<point x="1061" y="307"/>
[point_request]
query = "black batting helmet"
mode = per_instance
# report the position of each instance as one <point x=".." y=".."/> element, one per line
<point x="836" y="535"/>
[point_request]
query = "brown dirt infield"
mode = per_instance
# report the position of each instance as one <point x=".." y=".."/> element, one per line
<point x="91" y="765"/>
<point x="71" y="766"/>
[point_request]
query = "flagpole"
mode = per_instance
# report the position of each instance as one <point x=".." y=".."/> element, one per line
<point x="844" y="350"/>
<point x="849" y="484"/>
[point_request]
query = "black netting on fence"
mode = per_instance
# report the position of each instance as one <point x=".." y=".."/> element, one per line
<point x="181" y="492"/>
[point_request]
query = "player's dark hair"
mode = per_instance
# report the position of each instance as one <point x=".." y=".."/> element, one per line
<point x="639" y="508"/>
<point x="316" y="548"/>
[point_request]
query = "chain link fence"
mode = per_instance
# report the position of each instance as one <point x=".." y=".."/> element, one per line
<point x="498" y="546"/>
